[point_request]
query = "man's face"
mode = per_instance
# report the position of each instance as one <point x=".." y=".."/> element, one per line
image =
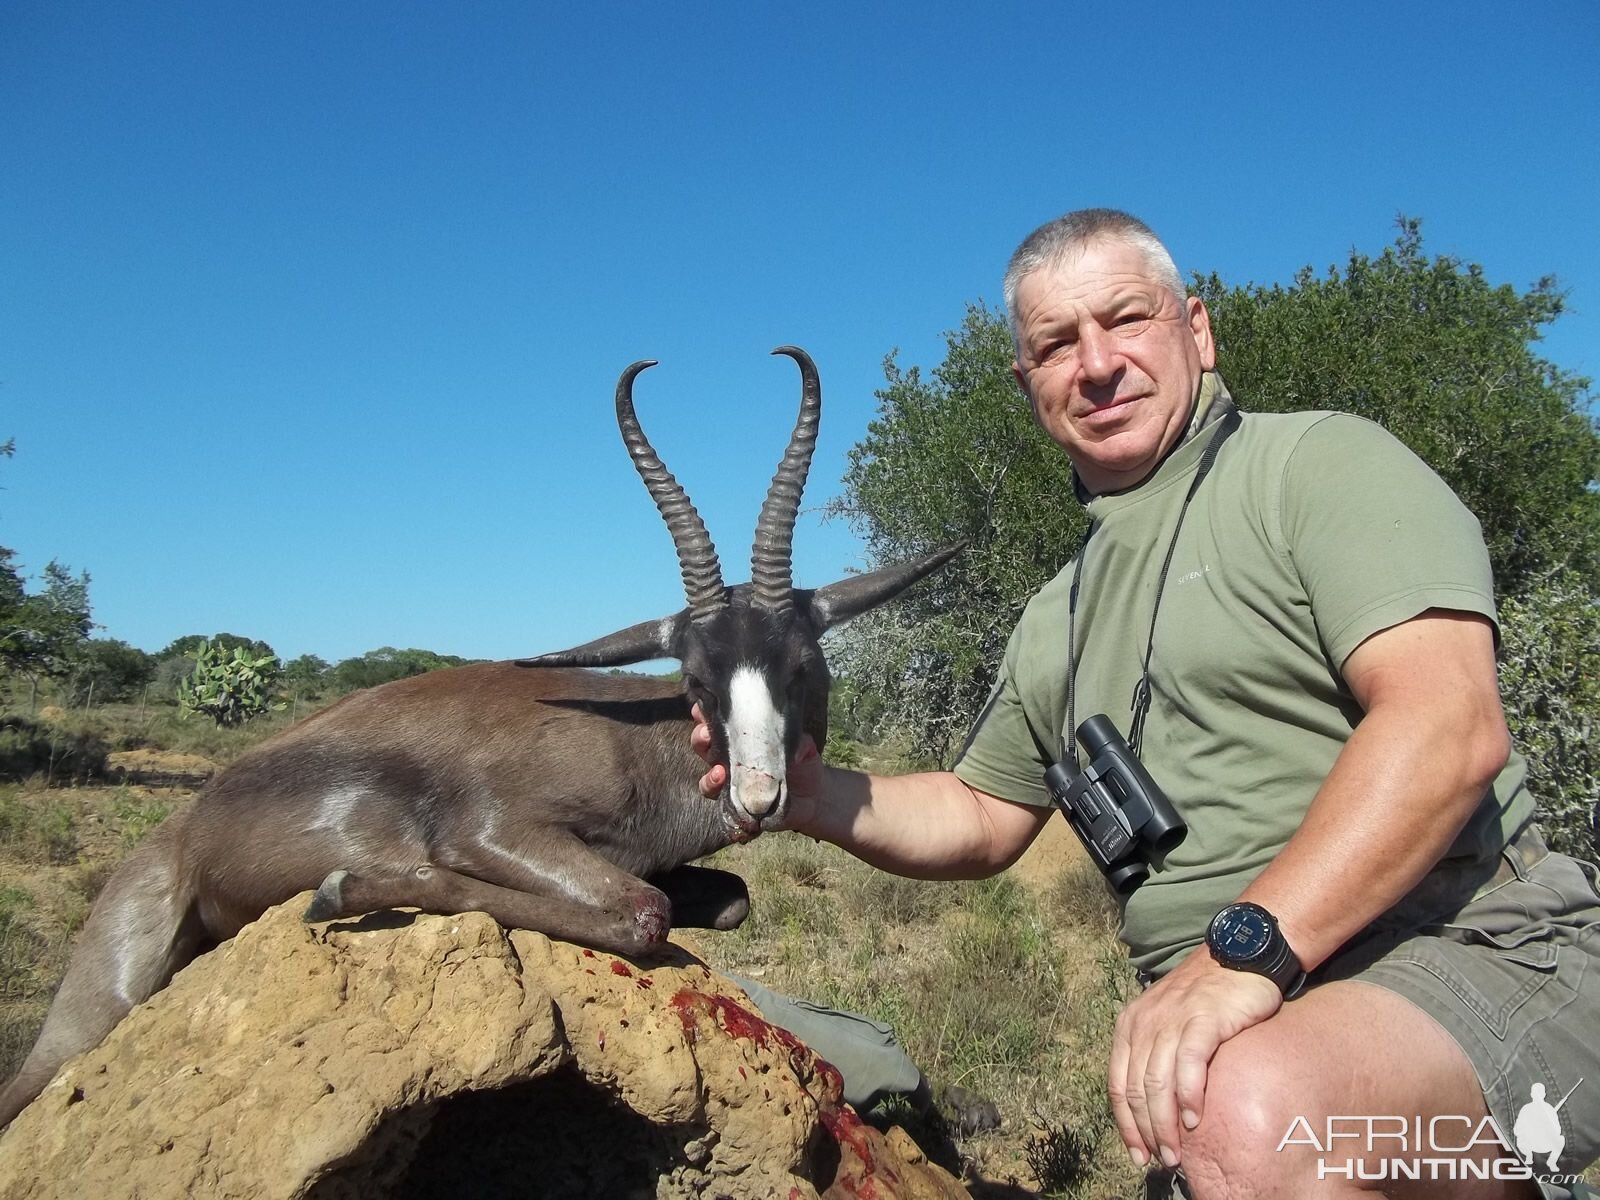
<point x="1110" y="360"/>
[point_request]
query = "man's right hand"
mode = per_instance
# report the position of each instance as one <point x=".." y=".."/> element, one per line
<point x="804" y="782"/>
<point x="714" y="780"/>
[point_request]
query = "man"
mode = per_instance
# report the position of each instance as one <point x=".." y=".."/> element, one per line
<point x="1323" y="712"/>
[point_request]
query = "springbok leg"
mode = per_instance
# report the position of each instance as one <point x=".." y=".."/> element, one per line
<point x="704" y="897"/>
<point x="638" y="923"/>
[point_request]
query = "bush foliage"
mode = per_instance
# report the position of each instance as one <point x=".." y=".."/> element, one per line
<point x="229" y="686"/>
<point x="31" y="747"/>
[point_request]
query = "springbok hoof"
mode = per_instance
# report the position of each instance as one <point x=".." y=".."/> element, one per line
<point x="328" y="903"/>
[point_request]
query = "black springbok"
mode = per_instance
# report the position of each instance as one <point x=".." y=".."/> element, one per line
<point x="544" y="797"/>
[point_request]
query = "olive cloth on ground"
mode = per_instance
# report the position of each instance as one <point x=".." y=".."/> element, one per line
<point x="1313" y="532"/>
<point x="868" y="1057"/>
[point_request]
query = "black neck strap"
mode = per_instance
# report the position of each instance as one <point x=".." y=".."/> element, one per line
<point x="1141" y="691"/>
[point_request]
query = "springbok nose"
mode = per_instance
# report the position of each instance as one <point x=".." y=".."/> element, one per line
<point x="755" y="790"/>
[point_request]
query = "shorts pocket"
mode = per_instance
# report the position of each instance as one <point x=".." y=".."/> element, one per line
<point x="1493" y="974"/>
<point x="1590" y="872"/>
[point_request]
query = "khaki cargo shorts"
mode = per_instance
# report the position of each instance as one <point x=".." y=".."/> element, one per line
<point x="1514" y="977"/>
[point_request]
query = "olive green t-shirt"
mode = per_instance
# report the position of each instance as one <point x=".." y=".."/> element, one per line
<point x="1312" y="532"/>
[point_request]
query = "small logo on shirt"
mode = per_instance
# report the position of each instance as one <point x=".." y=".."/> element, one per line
<point x="1193" y="575"/>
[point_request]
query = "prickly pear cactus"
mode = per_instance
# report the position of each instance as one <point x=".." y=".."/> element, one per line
<point x="230" y="688"/>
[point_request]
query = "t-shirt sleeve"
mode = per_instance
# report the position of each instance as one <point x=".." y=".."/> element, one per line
<point x="1376" y="537"/>
<point x="1003" y="755"/>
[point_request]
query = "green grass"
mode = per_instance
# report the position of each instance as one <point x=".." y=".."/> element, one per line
<point x="22" y="951"/>
<point x="159" y="727"/>
<point x="35" y="827"/>
<point x="138" y="815"/>
<point x="21" y="946"/>
<point x="35" y="941"/>
<point x="76" y="741"/>
<point x="56" y="753"/>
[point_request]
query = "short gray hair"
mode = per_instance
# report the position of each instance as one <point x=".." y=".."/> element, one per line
<point x="1051" y="243"/>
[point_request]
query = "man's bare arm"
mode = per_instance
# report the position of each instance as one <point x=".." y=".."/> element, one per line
<point x="926" y="826"/>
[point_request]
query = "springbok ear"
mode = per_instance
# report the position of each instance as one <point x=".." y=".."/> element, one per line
<point x="838" y="602"/>
<point x="661" y="638"/>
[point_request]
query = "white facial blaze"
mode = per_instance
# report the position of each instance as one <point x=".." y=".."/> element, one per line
<point x="755" y="743"/>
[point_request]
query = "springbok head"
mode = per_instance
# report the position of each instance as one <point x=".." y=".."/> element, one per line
<point x="750" y="653"/>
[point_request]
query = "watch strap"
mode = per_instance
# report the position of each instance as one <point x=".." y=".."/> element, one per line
<point x="1285" y="969"/>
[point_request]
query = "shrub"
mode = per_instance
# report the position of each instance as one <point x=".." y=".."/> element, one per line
<point x="1550" y="680"/>
<point x="1061" y="1156"/>
<point x="229" y="686"/>
<point x="59" y="753"/>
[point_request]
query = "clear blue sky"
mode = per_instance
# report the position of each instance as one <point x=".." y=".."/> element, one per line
<point x="310" y="314"/>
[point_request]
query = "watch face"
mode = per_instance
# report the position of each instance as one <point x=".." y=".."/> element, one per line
<point x="1241" y="933"/>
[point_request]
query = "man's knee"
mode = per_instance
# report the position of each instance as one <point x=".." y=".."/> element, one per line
<point x="1251" y="1103"/>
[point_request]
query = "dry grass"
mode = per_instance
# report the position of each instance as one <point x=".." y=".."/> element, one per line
<point x="1005" y="988"/>
<point x="57" y="848"/>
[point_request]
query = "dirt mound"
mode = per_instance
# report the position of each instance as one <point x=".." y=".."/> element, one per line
<point x="403" y="1055"/>
<point x="160" y="768"/>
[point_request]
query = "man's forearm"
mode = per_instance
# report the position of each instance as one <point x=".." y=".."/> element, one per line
<point x="927" y="826"/>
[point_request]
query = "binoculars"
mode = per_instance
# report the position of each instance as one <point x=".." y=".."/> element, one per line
<point x="1115" y="807"/>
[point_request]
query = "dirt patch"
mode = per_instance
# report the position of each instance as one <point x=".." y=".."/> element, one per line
<point x="1055" y="850"/>
<point x="161" y="768"/>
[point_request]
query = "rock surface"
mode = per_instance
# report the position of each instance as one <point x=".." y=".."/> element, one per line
<point x="405" y="1055"/>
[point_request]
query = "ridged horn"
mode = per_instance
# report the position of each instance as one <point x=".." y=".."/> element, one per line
<point x="697" y="557"/>
<point x="838" y="602"/>
<point x="771" y="562"/>
<point x="636" y="643"/>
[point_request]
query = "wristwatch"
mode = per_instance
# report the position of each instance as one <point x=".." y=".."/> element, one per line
<point x="1246" y="937"/>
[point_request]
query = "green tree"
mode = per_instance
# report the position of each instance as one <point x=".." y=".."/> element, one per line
<point x="13" y="591"/>
<point x="306" y="676"/>
<point x="42" y="632"/>
<point x="108" y="669"/>
<point x="1550" y="678"/>
<point x="1445" y="361"/>
<point x="386" y="664"/>
<point x="1428" y="347"/>
<point x="190" y="642"/>
<point x="952" y="455"/>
